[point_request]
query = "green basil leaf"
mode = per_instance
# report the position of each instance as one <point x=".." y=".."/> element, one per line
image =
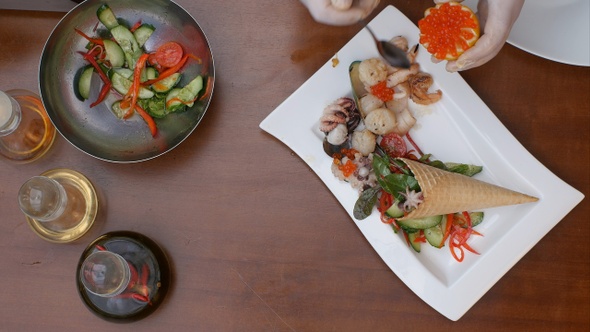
<point x="396" y="184"/>
<point x="365" y="203"/>
<point x="465" y="169"/>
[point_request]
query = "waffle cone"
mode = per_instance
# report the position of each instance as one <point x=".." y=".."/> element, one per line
<point x="446" y="192"/>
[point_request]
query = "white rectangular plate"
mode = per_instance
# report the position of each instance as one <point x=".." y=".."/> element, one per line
<point x="459" y="128"/>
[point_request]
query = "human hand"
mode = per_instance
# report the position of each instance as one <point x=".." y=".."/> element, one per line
<point x="339" y="12"/>
<point x="496" y="18"/>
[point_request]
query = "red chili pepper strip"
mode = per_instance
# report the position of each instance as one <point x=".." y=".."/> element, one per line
<point x="414" y="144"/>
<point x="148" y="119"/>
<point x="420" y="238"/>
<point x="467" y="218"/>
<point x="454" y="250"/>
<point x="126" y="104"/>
<point x="93" y="62"/>
<point x="176" y="99"/>
<point x="101" y="248"/>
<point x="135" y="26"/>
<point x="134" y="89"/>
<point x="140" y="297"/>
<point x="103" y="93"/>
<point x="90" y="39"/>
<point x="448" y="227"/>
<point x="407" y="238"/>
<point x="145" y="273"/>
<point x="133" y="276"/>
<point x="168" y="71"/>
<point x="208" y="87"/>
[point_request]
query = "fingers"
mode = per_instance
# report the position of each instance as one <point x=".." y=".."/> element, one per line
<point x="497" y="19"/>
<point x="483" y="51"/>
<point x="333" y="12"/>
<point x="443" y="1"/>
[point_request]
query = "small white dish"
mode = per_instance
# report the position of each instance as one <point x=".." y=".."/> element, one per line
<point x="554" y="30"/>
<point x="458" y="128"/>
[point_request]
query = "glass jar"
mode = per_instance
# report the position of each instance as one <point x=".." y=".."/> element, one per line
<point x="26" y="133"/>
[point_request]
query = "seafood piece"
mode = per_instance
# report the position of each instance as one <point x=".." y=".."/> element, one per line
<point x="362" y="177"/>
<point x="413" y="53"/>
<point x="330" y="121"/>
<point x="419" y="85"/>
<point x="405" y="122"/>
<point x="331" y="149"/>
<point x="340" y="111"/>
<point x="372" y="71"/>
<point x="381" y="121"/>
<point x="338" y="135"/>
<point x="364" y="141"/>
<point x="369" y="103"/>
<point x="400" y="98"/>
<point x="402" y="75"/>
<point x="401" y="42"/>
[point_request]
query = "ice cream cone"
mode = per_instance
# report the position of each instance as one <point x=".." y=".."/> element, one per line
<point x="446" y="192"/>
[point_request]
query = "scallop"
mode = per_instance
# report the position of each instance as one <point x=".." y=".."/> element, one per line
<point x="381" y="121"/>
<point x="364" y="141"/>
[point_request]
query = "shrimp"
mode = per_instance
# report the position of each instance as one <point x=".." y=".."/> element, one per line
<point x="400" y="42"/>
<point x="400" y="98"/>
<point x="419" y="85"/>
<point x="402" y="75"/>
<point x="413" y="53"/>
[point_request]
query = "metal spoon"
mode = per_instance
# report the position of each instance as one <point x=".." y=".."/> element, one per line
<point x="391" y="53"/>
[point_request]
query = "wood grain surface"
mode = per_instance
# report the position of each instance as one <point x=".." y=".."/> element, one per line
<point x="256" y="241"/>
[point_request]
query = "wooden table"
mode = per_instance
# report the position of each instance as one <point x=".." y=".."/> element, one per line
<point x="256" y="241"/>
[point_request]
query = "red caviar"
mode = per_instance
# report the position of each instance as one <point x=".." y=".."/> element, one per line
<point x="381" y="91"/>
<point x="347" y="168"/>
<point x="448" y="30"/>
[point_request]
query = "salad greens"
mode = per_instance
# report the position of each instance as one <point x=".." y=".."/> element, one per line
<point x="148" y="83"/>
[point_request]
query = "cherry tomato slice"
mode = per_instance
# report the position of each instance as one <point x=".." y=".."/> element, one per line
<point x="394" y="145"/>
<point x="167" y="55"/>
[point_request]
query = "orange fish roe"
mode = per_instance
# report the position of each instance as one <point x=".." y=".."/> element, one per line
<point x="347" y="168"/>
<point x="448" y="30"/>
<point x="381" y="91"/>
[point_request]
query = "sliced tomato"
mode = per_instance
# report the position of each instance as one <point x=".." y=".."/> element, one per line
<point x="394" y="145"/>
<point x="167" y="55"/>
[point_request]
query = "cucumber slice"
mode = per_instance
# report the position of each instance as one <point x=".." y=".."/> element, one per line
<point x="167" y="84"/>
<point x="150" y="73"/>
<point x="394" y="210"/>
<point x="106" y="16"/>
<point x="156" y="107"/>
<point x="143" y="33"/>
<point x="122" y="85"/>
<point x="173" y="103"/>
<point x="114" y="53"/>
<point x="435" y="234"/>
<point x="118" y="110"/>
<point x="84" y="81"/>
<point x="178" y="98"/>
<point x="125" y="72"/>
<point x="417" y="246"/>
<point x="476" y="218"/>
<point x="421" y="223"/>
<point x="127" y="41"/>
<point x="189" y="93"/>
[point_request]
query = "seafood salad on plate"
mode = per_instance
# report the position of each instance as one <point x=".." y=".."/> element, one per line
<point x="368" y="137"/>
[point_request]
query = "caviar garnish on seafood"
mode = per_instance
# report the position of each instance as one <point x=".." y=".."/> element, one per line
<point x="448" y="30"/>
